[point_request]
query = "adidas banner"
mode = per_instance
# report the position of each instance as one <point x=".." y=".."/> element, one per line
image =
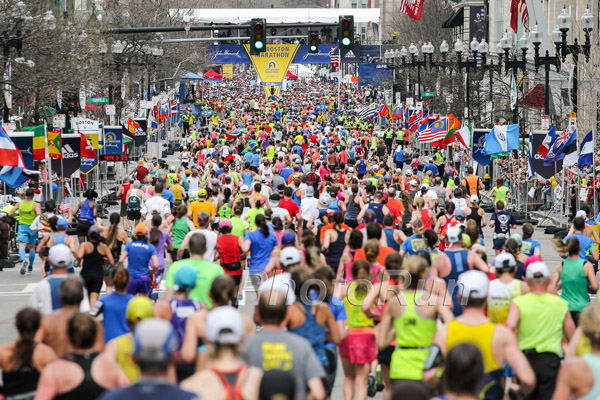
<point x="71" y="161"/>
<point x="352" y="55"/>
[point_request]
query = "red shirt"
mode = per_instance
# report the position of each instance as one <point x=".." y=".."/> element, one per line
<point x="141" y="173"/>
<point x="290" y="206"/>
<point x="125" y="190"/>
<point x="229" y="252"/>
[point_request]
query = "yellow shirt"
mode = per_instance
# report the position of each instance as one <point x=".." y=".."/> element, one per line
<point x="125" y="347"/>
<point x="479" y="335"/>
<point x="198" y="206"/>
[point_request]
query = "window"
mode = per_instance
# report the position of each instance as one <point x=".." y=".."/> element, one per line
<point x="354" y="3"/>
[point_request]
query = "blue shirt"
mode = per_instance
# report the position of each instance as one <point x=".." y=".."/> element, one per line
<point x="256" y="160"/>
<point x="413" y="243"/>
<point x="167" y="195"/>
<point x="399" y="155"/>
<point x="297" y="149"/>
<point x="260" y="249"/>
<point x="139" y="254"/>
<point x="114" y="307"/>
<point x="147" y="389"/>
<point x="529" y="246"/>
<point x="248" y="156"/>
<point x="585" y="243"/>
<point x="285" y="173"/>
<point x="432" y="168"/>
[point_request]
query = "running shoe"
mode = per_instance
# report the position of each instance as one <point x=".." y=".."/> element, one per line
<point x="371" y="386"/>
<point x="24" y="266"/>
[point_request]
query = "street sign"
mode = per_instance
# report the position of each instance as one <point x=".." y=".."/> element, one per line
<point x="110" y="109"/>
<point x="98" y="100"/>
<point x="428" y="94"/>
<point x="409" y="102"/>
<point x="59" y="121"/>
<point x="545" y="122"/>
<point x="419" y="105"/>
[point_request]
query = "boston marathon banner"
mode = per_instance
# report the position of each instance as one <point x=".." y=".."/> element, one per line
<point x="237" y="54"/>
<point x="113" y="140"/>
<point x="272" y="65"/>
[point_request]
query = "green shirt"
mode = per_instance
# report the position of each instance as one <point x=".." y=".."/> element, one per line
<point x="500" y="194"/>
<point x="207" y="272"/>
<point x="574" y="284"/>
<point x="541" y="320"/>
<point x="26" y="212"/>
<point x="239" y="226"/>
<point x="251" y="215"/>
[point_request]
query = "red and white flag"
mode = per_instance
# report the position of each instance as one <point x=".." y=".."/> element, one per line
<point x="87" y="150"/>
<point x="412" y="8"/>
<point x="334" y="56"/>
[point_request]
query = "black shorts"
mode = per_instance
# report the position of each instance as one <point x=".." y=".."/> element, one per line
<point x="93" y="283"/>
<point x="499" y="243"/>
<point x="384" y="357"/>
<point x="123" y="210"/>
<point x="134" y="215"/>
<point x="237" y="279"/>
<point x="83" y="227"/>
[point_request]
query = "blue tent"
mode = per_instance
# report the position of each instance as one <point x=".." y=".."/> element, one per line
<point x="190" y="76"/>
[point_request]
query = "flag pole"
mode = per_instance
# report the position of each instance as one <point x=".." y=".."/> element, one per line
<point x="594" y="174"/>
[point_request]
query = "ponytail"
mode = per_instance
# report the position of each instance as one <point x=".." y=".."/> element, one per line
<point x="261" y="223"/>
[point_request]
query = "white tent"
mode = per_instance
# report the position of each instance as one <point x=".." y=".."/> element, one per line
<point x="276" y="15"/>
<point x="304" y="71"/>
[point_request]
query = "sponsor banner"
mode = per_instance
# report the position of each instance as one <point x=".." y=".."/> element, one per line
<point x="71" y="161"/>
<point x="272" y="65"/>
<point x="236" y="54"/>
<point x="113" y="140"/>
<point x="478" y="143"/>
<point x="351" y="55"/>
<point x="25" y="144"/>
<point x="142" y="133"/>
<point x="88" y="165"/>
<point x="89" y="128"/>
<point x="227" y="71"/>
<point x="374" y="74"/>
<point x="537" y="160"/>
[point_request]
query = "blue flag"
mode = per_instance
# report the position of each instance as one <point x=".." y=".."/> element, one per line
<point x="557" y="151"/>
<point x="501" y="139"/>
<point x="586" y="151"/>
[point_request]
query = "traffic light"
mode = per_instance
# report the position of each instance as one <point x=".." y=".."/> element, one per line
<point x="346" y="31"/>
<point x="258" y="37"/>
<point x="313" y="42"/>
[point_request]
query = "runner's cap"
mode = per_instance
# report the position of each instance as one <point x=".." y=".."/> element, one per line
<point x="225" y="223"/>
<point x="537" y="270"/>
<point x="224" y="325"/>
<point x="244" y="189"/>
<point x="185" y="278"/>
<point x="290" y="256"/>
<point x="141" y="163"/>
<point x="202" y="193"/>
<point x="60" y="255"/>
<point x="453" y="234"/>
<point x="62" y="223"/>
<point x="154" y="339"/>
<point x="475" y="284"/>
<point x="504" y="260"/>
<point x="139" y="308"/>
<point x="474" y="198"/>
<point x="141" y="228"/>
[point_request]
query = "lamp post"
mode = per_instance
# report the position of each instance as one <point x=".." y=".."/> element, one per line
<point x="467" y="64"/>
<point x="559" y="37"/>
<point x="515" y="64"/>
<point x="536" y="38"/>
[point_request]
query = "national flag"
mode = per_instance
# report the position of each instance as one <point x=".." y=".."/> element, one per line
<point x="413" y="121"/>
<point x="513" y="93"/>
<point x="87" y="150"/>
<point x="548" y="142"/>
<point x="570" y="150"/>
<point x="128" y="136"/>
<point x="39" y="141"/>
<point x="134" y="127"/>
<point x="397" y="112"/>
<point x="586" y="151"/>
<point x="412" y="8"/>
<point x="55" y="144"/>
<point x="423" y="124"/>
<point x="334" y="56"/>
<point x="368" y="111"/>
<point x="465" y="136"/>
<point x="153" y="123"/>
<point x="436" y="131"/>
<point x="556" y="151"/>
<point x="453" y="124"/>
<point x="173" y="107"/>
<point x="514" y="15"/>
<point x="383" y="110"/>
<point x="13" y="171"/>
<point x="501" y="139"/>
<point x="164" y="111"/>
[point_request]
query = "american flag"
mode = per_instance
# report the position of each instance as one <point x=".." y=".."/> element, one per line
<point x="334" y="56"/>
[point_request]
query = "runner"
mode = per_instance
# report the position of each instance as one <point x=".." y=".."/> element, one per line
<point x="91" y="257"/>
<point x="113" y="306"/>
<point x="88" y="212"/>
<point x="135" y="201"/>
<point x="28" y="210"/>
<point x="139" y="253"/>
<point x="115" y="238"/>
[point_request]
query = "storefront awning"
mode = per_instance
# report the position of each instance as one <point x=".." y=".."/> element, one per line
<point x="456" y="19"/>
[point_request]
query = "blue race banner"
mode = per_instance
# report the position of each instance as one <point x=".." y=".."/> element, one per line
<point x="206" y="113"/>
<point x="374" y="74"/>
<point x="478" y="143"/>
<point x="322" y="107"/>
<point x="236" y="54"/>
<point x="113" y="140"/>
<point x="88" y="165"/>
<point x="25" y="144"/>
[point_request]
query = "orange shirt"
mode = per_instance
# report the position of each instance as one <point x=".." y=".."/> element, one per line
<point x="327" y="227"/>
<point x="383" y="253"/>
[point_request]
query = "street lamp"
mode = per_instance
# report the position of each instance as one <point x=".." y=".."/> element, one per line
<point x="515" y="64"/>
<point x="559" y="37"/>
<point x="536" y="38"/>
<point x="467" y="64"/>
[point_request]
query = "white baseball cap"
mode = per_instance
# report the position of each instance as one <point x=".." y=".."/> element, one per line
<point x="290" y="256"/>
<point x="350" y="169"/>
<point x="412" y="182"/>
<point x="581" y="213"/>
<point x="475" y="284"/>
<point x="224" y="318"/>
<point x="60" y="255"/>
<point x="453" y="234"/>
<point x="504" y="259"/>
<point x="375" y="167"/>
<point x="537" y="270"/>
<point x="424" y="186"/>
<point x="244" y="189"/>
<point x="474" y="198"/>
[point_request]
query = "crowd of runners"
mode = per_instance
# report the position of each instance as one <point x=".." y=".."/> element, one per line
<point x="364" y="255"/>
